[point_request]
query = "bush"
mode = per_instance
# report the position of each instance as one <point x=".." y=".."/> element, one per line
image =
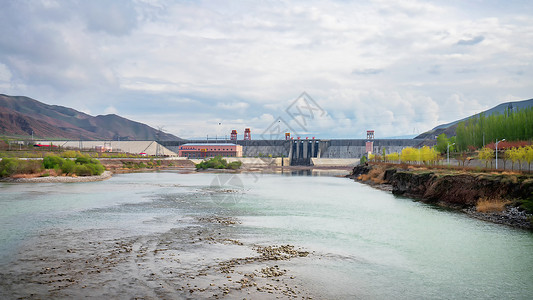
<point x="96" y="169"/>
<point x="12" y="166"/>
<point x="8" y="166"/>
<point x="29" y="167"/>
<point x="235" y="165"/>
<point x="84" y="159"/>
<point x="218" y="162"/>
<point x="68" y="166"/>
<point x="53" y="162"/>
<point x="71" y="154"/>
<point x="82" y="170"/>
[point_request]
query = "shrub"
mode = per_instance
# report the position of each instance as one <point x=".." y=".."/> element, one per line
<point x="8" y="166"/>
<point x="95" y="169"/>
<point x="71" y="154"/>
<point x="83" y="159"/>
<point x="52" y="162"/>
<point x="68" y="166"/>
<point x="82" y="170"/>
<point x="12" y="166"/>
<point x="218" y="162"/>
<point x="235" y="165"/>
<point x="29" y="167"/>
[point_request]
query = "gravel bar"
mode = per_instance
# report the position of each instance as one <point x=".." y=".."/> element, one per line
<point x="61" y="179"/>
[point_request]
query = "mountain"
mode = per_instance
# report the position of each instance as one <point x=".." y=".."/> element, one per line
<point x="449" y="128"/>
<point x="21" y="115"/>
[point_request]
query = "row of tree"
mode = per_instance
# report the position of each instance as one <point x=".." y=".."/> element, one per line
<point x="514" y="125"/>
<point x="425" y="155"/>
<point x="431" y="156"/>
<point x="514" y="155"/>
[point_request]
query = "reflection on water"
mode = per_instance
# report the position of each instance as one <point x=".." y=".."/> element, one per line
<point x="366" y="243"/>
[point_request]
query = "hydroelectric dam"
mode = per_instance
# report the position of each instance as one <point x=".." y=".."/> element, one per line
<point x="302" y="151"/>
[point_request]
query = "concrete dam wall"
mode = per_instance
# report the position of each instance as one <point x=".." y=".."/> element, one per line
<point x="301" y="151"/>
<point x="357" y="148"/>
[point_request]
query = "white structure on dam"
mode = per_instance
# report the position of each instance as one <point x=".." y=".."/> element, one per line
<point x="149" y="148"/>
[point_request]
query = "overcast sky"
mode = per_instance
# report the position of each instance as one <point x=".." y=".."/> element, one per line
<point x="206" y="67"/>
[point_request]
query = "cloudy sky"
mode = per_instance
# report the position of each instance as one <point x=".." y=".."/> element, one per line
<point x="206" y="67"/>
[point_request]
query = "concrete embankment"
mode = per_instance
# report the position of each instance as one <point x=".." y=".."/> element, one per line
<point x="460" y="190"/>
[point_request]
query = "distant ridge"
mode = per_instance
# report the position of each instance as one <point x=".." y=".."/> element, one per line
<point x="449" y="128"/>
<point x="21" y="115"/>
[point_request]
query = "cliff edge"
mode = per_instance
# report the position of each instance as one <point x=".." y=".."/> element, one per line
<point x="495" y="197"/>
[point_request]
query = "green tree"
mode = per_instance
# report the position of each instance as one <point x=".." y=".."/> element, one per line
<point x="513" y="126"/>
<point x="442" y="143"/>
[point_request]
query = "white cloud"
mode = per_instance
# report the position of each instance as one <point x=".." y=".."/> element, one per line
<point x="394" y="66"/>
<point x="5" y="74"/>
<point x="233" y="106"/>
<point x="110" y="110"/>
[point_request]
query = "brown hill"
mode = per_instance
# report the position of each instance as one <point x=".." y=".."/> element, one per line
<point x="21" y="115"/>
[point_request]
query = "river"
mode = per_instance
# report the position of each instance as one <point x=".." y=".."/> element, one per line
<point x="363" y="243"/>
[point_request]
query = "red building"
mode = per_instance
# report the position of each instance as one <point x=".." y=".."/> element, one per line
<point x="209" y="150"/>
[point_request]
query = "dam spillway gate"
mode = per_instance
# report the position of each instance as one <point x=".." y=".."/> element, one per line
<point x="301" y="152"/>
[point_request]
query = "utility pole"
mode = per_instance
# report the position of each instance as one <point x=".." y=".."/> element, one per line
<point x="158" y="150"/>
<point x="448" y="152"/>
<point x="497" y="152"/>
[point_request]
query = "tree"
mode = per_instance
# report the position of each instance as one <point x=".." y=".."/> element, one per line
<point x="442" y="143"/>
<point x="506" y="156"/>
<point x="463" y="157"/>
<point x="428" y="155"/>
<point x="529" y="156"/>
<point x="513" y="126"/>
<point x="515" y="156"/>
<point x="393" y="157"/>
<point x="409" y="154"/>
<point x="522" y="155"/>
<point x="487" y="155"/>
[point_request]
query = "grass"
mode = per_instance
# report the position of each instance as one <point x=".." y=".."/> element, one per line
<point x="375" y="175"/>
<point x="486" y="205"/>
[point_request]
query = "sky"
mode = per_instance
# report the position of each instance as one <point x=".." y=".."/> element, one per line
<point x="324" y="69"/>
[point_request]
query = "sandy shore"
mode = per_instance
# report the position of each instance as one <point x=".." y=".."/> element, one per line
<point x="61" y="179"/>
<point x="199" y="261"/>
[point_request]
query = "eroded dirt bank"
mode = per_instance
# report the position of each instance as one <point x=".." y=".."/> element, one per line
<point x="508" y="195"/>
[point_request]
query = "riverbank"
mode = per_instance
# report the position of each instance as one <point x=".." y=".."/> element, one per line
<point x="502" y="198"/>
<point x="60" y="179"/>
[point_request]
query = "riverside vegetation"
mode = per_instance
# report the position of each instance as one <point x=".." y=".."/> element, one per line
<point x="218" y="162"/>
<point x="53" y="165"/>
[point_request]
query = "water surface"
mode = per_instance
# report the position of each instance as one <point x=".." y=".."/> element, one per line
<point x="365" y="243"/>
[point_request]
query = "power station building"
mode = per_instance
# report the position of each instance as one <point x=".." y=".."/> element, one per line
<point x="194" y="150"/>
